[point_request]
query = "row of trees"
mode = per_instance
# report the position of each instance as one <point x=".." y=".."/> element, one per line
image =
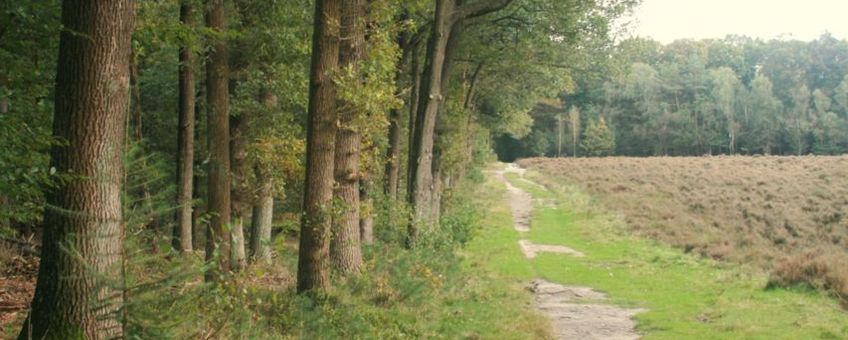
<point x="379" y="98"/>
<point x="731" y="96"/>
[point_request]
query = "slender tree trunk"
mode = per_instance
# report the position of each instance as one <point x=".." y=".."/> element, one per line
<point x="366" y="220"/>
<point x="218" y="135"/>
<point x="185" y="141"/>
<point x="78" y="292"/>
<point x="413" y="107"/>
<point x="262" y="219"/>
<point x="238" y="153"/>
<point x="420" y="182"/>
<point x="345" y="248"/>
<point x="393" y="155"/>
<point x="313" y="260"/>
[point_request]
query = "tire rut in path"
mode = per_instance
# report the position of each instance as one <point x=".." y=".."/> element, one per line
<point x="575" y="312"/>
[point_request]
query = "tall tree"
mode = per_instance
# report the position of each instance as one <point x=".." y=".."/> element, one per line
<point x="420" y="183"/>
<point x="345" y="248"/>
<point x="313" y="260"/>
<point x="82" y="246"/>
<point x="185" y="139"/>
<point x="218" y="134"/>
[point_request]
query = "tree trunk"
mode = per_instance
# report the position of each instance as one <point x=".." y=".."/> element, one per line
<point x="420" y="182"/>
<point x="393" y="154"/>
<point x="218" y="134"/>
<point x="262" y="219"/>
<point x="345" y="248"/>
<point x="238" y="153"/>
<point x="185" y="141"/>
<point x="313" y="260"/>
<point x="77" y="294"/>
<point x="366" y="220"/>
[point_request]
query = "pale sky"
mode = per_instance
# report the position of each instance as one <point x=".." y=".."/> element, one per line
<point x="669" y="20"/>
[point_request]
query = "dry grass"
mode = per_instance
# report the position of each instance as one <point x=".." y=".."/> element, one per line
<point x="788" y="215"/>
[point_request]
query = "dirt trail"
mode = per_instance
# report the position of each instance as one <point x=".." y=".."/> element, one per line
<point x="575" y="312"/>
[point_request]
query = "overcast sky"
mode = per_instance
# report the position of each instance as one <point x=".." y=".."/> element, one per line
<point x="669" y="20"/>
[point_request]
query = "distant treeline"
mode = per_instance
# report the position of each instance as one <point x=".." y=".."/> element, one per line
<point x="737" y="95"/>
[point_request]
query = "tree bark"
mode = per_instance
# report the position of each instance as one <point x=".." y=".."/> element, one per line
<point x="345" y="247"/>
<point x="420" y="186"/>
<point x="185" y="141"/>
<point x="313" y="260"/>
<point x="262" y="219"/>
<point x="238" y="153"/>
<point x="78" y="292"/>
<point x="218" y="134"/>
<point x="366" y="219"/>
<point x="393" y="154"/>
<point x="420" y="182"/>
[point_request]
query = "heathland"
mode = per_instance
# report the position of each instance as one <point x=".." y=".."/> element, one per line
<point x="785" y="216"/>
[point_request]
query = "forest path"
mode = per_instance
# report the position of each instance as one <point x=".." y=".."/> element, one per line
<point x="575" y="312"/>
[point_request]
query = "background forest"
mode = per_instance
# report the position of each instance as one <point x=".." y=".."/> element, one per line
<point x="735" y="95"/>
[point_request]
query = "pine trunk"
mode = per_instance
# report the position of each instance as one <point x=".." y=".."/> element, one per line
<point x="313" y="260"/>
<point x="185" y="142"/>
<point x="78" y="292"/>
<point x="218" y="134"/>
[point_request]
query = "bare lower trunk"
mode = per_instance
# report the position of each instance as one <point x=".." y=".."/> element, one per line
<point x="218" y="133"/>
<point x="345" y="248"/>
<point x="185" y="142"/>
<point x="366" y="220"/>
<point x="239" y="199"/>
<point x="262" y="220"/>
<point x="78" y="292"/>
<point x="313" y="260"/>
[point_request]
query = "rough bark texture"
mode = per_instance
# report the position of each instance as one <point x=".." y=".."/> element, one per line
<point x="313" y="260"/>
<point x="345" y="248"/>
<point x="76" y="293"/>
<point x="185" y="142"/>
<point x="218" y="133"/>
<point x="262" y="219"/>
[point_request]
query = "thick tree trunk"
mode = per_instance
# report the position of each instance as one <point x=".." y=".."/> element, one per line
<point x="262" y="219"/>
<point x="218" y="134"/>
<point x="313" y="260"/>
<point x="185" y="142"/>
<point x="77" y="294"/>
<point x="345" y="247"/>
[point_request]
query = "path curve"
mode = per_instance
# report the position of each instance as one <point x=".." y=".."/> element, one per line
<point x="575" y="312"/>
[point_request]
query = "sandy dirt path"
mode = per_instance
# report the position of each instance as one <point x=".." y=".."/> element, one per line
<point x="575" y="312"/>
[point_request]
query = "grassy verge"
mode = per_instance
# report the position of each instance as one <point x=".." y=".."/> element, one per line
<point x="686" y="296"/>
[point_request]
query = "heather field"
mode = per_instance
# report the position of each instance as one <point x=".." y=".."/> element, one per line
<point x="783" y="215"/>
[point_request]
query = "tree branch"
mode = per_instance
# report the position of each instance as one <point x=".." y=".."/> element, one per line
<point x="478" y="8"/>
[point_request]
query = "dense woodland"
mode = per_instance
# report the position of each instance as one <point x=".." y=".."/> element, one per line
<point x="151" y="146"/>
<point x="735" y="95"/>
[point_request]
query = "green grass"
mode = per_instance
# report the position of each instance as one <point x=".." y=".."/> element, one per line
<point x="685" y="296"/>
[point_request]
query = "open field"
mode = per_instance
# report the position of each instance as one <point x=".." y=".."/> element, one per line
<point x="784" y="215"/>
<point x="683" y="296"/>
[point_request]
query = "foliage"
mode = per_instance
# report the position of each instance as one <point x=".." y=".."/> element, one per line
<point x="598" y="140"/>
